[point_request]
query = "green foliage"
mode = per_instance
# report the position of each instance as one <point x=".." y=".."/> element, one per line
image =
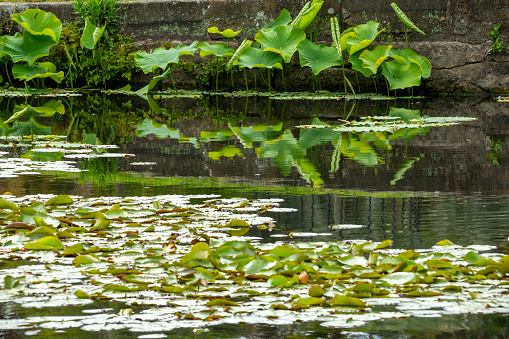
<point x="497" y="44"/>
<point x="99" y="12"/>
<point x="109" y="66"/>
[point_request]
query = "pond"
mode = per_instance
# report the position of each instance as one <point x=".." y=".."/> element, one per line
<point x="415" y="185"/>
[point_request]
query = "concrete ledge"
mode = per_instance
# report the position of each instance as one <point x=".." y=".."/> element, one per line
<point x="457" y="41"/>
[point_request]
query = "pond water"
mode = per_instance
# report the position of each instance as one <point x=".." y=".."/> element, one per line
<point x="414" y="188"/>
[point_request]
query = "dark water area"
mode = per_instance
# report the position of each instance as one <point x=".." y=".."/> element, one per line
<point x="448" y="182"/>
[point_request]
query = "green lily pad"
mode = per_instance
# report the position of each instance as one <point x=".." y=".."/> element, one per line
<point x="46" y="243"/>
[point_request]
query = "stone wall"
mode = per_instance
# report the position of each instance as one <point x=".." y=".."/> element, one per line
<point x="457" y="41"/>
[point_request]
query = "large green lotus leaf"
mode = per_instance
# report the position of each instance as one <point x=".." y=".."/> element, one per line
<point x="402" y="76"/>
<point x="28" y="47"/>
<point x="29" y="72"/>
<point x="364" y="36"/>
<point x="283" y="40"/>
<point x="256" y="133"/>
<point x="39" y="22"/>
<point x="46" y="243"/>
<point x="161" y="57"/>
<point x="28" y="128"/>
<point x="218" y="49"/>
<point x="357" y="64"/>
<point x="373" y="59"/>
<point x="159" y="130"/>
<point x="256" y="58"/>
<point x="227" y="33"/>
<point x="282" y="20"/>
<point x="405" y="114"/>
<point x="424" y="63"/>
<point x="307" y="14"/>
<point x="91" y="34"/>
<point x="318" y="57"/>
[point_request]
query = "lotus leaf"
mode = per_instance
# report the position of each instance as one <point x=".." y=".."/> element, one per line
<point x="402" y="76"/>
<point x="28" y="47"/>
<point x="41" y="71"/>
<point x="161" y="57"/>
<point x="227" y="33"/>
<point x="307" y="14"/>
<point x="283" y="40"/>
<point x="218" y="49"/>
<point x="91" y="34"/>
<point x="318" y="57"/>
<point x="282" y="20"/>
<point x="39" y="22"/>
<point x="372" y="59"/>
<point x="361" y="37"/>
<point x="358" y="64"/>
<point x="256" y="58"/>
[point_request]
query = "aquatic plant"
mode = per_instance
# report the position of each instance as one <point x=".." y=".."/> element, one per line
<point x="41" y="31"/>
<point x="200" y="267"/>
<point x="406" y="21"/>
<point x="164" y="59"/>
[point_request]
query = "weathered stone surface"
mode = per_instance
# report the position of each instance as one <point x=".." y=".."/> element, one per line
<point x="457" y="41"/>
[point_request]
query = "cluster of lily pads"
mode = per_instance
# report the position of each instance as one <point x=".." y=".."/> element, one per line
<point x="277" y="43"/>
<point x="41" y="31"/>
<point x="187" y="261"/>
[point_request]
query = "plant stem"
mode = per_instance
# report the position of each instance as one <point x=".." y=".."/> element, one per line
<point x="358" y="85"/>
<point x="268" y="78"/>
<point x="171" y="76"/>
<point x="7" y="72"/>
<point x="406" y="36"/>
<point x="245" y="80"/>
<point x="283" y="77"/>
<point x="374" y="83"/>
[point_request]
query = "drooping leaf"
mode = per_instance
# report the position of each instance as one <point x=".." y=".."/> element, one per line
<point x="29" y="72"/>
<point x="256" y="58"/>
<point x="91" y="34"/>
<point x="404" y="19"/>
<point x="307" y="14"/>
<point x="218" y="49"/>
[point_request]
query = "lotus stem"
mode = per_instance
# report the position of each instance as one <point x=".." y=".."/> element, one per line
<point x="261" y="74"/>
<point x="406" y="37"/>
<point x="283" y="77"/>
<point x="268" y="78"/>
<point x="245" y="79"/>
<point x="171" y="76"/>
<point x="374" y="83"/>
<point x="7" y="72"/>
<point x="358" y="85"/>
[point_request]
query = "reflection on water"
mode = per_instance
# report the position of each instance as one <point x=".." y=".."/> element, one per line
<point x="415" y="186"/>
<point x="455" y="176"/>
